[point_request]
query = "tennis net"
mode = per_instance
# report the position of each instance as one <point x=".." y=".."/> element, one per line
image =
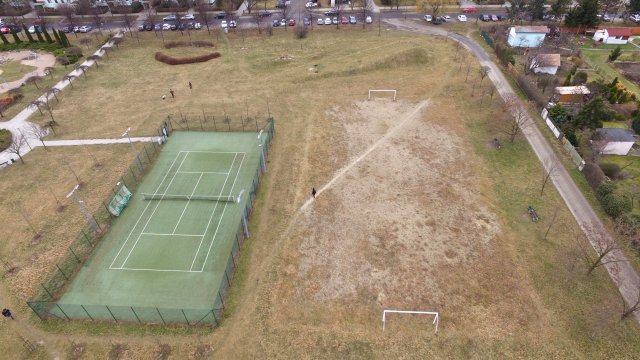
<point x="226" y="198"/>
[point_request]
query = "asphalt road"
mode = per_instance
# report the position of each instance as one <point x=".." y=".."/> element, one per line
<point x="620" y="270"/>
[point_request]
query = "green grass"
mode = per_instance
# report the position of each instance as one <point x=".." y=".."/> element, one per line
<point x="598" y="61"/>
<point x="588" y="45"/>
<point x="14" y="70"/>
<point x="5" y="139"/>
<point x="614" y="124"/>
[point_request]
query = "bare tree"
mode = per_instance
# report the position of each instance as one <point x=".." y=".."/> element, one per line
<point x="19" y="140"/>
<point x="628" y="310"/>
<point x="602" y="244"/>
<point x="95" y="58"/>
<point x="49" y="71"/>
<point x="116" y="42"/>
<point x="515" y="117"/>
<point x="82" y="68"/>
<point x="40" y="104"/>
<point x="96" y="18"/>
<point x="36" y="104"/>
<point x="33" y="80"/>
<point x="38" y="132"/>
<point x="366" y="7"/>
<point x="250" y="5"/>
<point x="52" y="91"/>
<point x="127" y="18"/>
<point x="483" y="72"/>
<point x="202" y="7"/>
<point x="68" y="11"/>
<point x="69" y="78"/>
<point x="106" y="49"/>
<point x="551" y="223"/>
<point x="86" y="41"/>
<point x="549" y="168"/>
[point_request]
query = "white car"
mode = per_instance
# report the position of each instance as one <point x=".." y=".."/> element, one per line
<point x="462" y="18"/>
<point x="85" y="29"/>
<point x="170" y="18"/>
<point x="368" y="20"/>
<point x="446" y="18"/>
<point x="188" y="17"/>
<point x="223" y="24"/>
<point x="310" y="5"/>
<point x="233" y="24"/>
<point x="334" y="21"/>
<point x="197" y="26"/>
<point x="320" y="21"/>
<point x="327" y="21"/>
<point x="428" y="18"/>
<point x="166" y="26"/>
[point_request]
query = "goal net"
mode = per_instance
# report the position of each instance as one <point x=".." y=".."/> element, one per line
<point x="436" y="319"/>
<point x="372" y="92"/>
<point x="119" y="201"/>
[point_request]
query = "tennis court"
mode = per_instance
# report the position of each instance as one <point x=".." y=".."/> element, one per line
<point x="168" y="252"/>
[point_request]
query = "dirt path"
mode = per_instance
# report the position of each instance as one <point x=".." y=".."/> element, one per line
<point x="40" y="62"/>
<point x="620" y="270"/>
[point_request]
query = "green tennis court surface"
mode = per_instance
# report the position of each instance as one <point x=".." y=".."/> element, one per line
<point x="169" y="249"/>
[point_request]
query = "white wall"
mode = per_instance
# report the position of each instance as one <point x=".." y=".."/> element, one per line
<point x="545" y="70"/>
<point x="617" y="148"/>
<point x="612" y="40"/>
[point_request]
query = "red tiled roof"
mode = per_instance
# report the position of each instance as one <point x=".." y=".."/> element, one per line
<point x="618" y="31"/>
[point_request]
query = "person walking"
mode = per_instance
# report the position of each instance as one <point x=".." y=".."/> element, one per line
<point x="190" y="86"/>
<point x="313" y="192"/>
<point x="7" y="313"/>
<point x="173" y="96"/>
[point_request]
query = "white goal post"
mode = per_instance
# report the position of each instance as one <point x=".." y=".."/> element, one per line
<point x="436" y="318"/>
<point x="375" y="90"/>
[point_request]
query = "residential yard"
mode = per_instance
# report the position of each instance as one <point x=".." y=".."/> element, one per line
<point x="432" y="218"/>
<point x="598" y="61"/>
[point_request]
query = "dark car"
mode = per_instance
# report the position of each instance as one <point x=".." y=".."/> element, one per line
<point x="437" y="20"/>
<point x="67" y="29"/>
<point x="264" y="13"/>
<point x="182" y="26"/>
<point x="275" y="23"/>
<point x="332" y="12"/>
<point x="220" y="16"/>
<point x="485" y="17"/>
<point x="174" y="27"/>
<point x="148" y="27"/>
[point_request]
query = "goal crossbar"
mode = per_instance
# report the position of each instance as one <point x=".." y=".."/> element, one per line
<point x="436" y="318"/>
<point x="382" y="90"/>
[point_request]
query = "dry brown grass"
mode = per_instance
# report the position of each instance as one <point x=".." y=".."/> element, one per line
<point x="433" y="219"/>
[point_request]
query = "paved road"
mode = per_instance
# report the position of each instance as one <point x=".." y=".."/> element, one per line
<point x="620" y="270"/>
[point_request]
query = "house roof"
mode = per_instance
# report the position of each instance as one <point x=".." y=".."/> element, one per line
<point x="615" y="134"/>
<point x="569" y="90"/>
<point x="618" y="31"/>
<point x="544" y="60"/>
<point x="531" y="29"/>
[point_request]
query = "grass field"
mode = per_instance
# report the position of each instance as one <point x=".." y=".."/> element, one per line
<point x="432" y="217"/>
<point x="14" y="70"/>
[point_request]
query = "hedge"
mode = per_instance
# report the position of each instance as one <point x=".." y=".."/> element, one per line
<point x="175" y="44"/>
<point x="170" y="60"/>
<point x="593" y="174"/>
<point x="5" y="139"/>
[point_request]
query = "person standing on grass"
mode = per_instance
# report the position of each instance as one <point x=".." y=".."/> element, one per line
<point x="313" y="192"/>
<point x="7" y="313"/>
<point x="190" y="86"/>
<point x="173" y="96"/>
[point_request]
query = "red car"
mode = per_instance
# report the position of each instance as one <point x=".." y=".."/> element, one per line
<point x="292" y="22"/>
<point x="469" y="10"/>
<point x="344" y="20"/>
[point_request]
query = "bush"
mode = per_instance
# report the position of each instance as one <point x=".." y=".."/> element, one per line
<point x="531" y="91"/>
<point x="5" y="139"/>
<point x="580" y="78"/>
<point x="175" y="44"/>
<point x="612" y="204"/>
<point x="170" y="60"/>
<point x="610" y="169"/>
<point x="593" y="174"/>
<point x="301" y="31"/>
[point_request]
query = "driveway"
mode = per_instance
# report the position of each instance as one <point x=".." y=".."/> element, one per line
<point x="620" y="270"/>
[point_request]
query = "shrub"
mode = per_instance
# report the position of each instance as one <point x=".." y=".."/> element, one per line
<point x="593" y="174"/>
<point x="614" y="205"/>
<point x="175" y="44"/>
<point x="531" y="91"/>
<point x="636" y="124"/>
<point x="5" y="139"/>
<point x="170" y="60"/>
<point x="610" y="169"/>
<point x="301" y="31"/>
<point x="580" y="78"/>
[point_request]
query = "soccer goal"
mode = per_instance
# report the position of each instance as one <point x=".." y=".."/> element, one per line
<point x="371" y="91"/>
<point x="436" y="318"/>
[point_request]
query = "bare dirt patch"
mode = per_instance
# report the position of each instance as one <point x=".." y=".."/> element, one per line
<point x="41" y="61"/>
<point x="409" y="207"/>
<point x="630" y="70"/>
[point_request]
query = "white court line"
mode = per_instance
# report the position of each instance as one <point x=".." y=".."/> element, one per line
<point x="214" y="211"/>
<point x="145" y="210"/>
<point x="158" y="234"/>
<point x="202" y="172"/>
<point x="188" y="202"/>
<point x="159" y="270"/>
<point x="154" y="211"/>
<point x="221" y="217"/>
<point x="213" y="152"/>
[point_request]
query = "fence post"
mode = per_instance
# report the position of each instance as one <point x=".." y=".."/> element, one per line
<point x="85" y="310"/>
<point x="133" y="174"/>
<point x="74" y="254"/>
<point x="242" y="122"/>
<point x="136" y="315"/>
<point x="244" y="223"/>
<point x="62" y="272"/>
<point x="106" y="207"/>
<point x="161" y="318"/>
<point x="220" y="296"/>
<point x="215" y="127"/>
<point x="86" y="237"/>
<point x="185" y="317"/>
<point x="257" y="129"/>
<point x="109" y="310"/>
<point x="47" y="291"/>
<point x="227" y="275"/>
<point x="215" y="318"/>
<point x="37" y="313"/>
<point x="62" y="311"/>
<point x="123" y="182"/>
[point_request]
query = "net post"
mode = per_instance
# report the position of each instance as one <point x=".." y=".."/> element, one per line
<point x="185" y="317"/>
<point x="85" y="310"/>
<point x="86" y="237"/>
<point x="215" y="318"/>
<point x="227" y="276"/>
<point x="62" y="311"/>
<point x="136" y="315"/>
<point x="62" y="272"/>
<point x="74" y="254"/>
<point x="146" y="152"/>
<point x="161" y="318"/>
<point x="215" y="127"/>
<point x="113" y="316"/>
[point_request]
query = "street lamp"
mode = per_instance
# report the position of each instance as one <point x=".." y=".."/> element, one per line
<point x="264" y="163"/>
<point x="93" y="223"/>
<point x="133" y="149"/>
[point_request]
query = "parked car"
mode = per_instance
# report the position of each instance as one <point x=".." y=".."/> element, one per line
<point x="368" y="20"/>
<point x="283" y="22"/>
<point x="327" y="21"/>
<point x="494" y="17"/>
<point x="462" y="18"/>
<point x="191" y="26"/>
<point x="320" y="21"/>
<point x="331" y="12"/>
<point x="311" y="5"/>
<point x="76" y="29"/>
<point x="428" y="18"/>
<point x="173" y="27"/>
<point x="233" y="24"/>
<point x="166" y="26"/>
<point x="485" y="17"/>
<point x="352" y="20"/>
<point x="8" y="28"/>
<point x="604" y="17"/>
<point x="197" y="26"/>
<point x="635" y="18"/>
<point x="170" y="18"/>
<point x="292" y="22"/>
<point x="344" y="20"/>
<point x="223" y="24"/>
<point x="437" y="20"/>
<point x="275" y="23"/>
<point x="157" y="27"/>
<point x="67" y="29"/>
<point x="140" y="28"/>
<point x="148" y="27"/>
<point x="33" y="28"/>
<point x="182" y="26"/>
<point x="188" y="17"/>
<point x="549" y="17"/>
<point x="222" y="15"/>
<point x="334" y="20"/>
<point x="85" y="28"/>
<point x="446" y="18"/>
<point x="264" y="13"/>
<point x="469" y="10"/>
<point x="306" y="21"/>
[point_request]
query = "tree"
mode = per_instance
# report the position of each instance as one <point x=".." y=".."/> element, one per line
<point x="86" y="41"/>
<point x="593" y="114"/>
<point x="69" y="78"/>
<point x="52" y="91"/>
<point x="366" y="8"/>
<point x="514" y="117"/>
<point x="628" y="310"/>
<point x="549" y="168"/>
<point x="95" y="58"/>
<point x="559" y="115"/>
<point x="535" y="8"/>
<point x="38" y="132"/>
<point x="82" y="68"/>
<point x="68" y="11"/>
<point x="33" y="80"/>
<point x="544" y="81"/>
<point x="49" y="71"/>
<point x="36" y="104"/>
<point x="516" y="11"/>
<point x="583" y="15"/>
<point x="559" y="7"/>
<point x="202" y="8"/>
<point x="96" y="18"/>
<point x="431" y="6"/>
<point x="250" y="4"/>
<point x="615" y="54"/>
<point x="257" y="18"/>
<point x="45" y="104"/>
<point x="607" y="5"/>
<point x="19" y="141"/>
<point x="602" y="244"/>
<point x="634" y="6"/>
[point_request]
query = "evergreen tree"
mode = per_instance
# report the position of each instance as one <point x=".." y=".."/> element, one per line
<point x="26" y="31"/>
<point x="536" y="9"/>
<point x="39" y="35"/>
<point x="46" y="34"/>
<point x="585" y="14"/>
<point x="559" y="7"/>
<point x="634" y="6"/>
<point x="4" y="39"/>
<point x="16" y="39"/>
<point x="65" y="40"/>
<point x="55" y="35"/>
<point x="593" y="114"/>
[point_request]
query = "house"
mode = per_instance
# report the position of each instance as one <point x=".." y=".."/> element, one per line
<point x="545" y="64"/>
<point x="613" y="141"/>
<point x="571" y="95"/>
<point x="612" y="35"/>
<point x="527" y="36"/>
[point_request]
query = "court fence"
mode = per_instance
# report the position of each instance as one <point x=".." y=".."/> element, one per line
<point x="45" y="303"/>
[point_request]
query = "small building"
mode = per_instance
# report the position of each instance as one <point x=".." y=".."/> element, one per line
<point x="527" y="36"/>
<point x="545" y="64"/>
<point x="613" y="141"/>
<point x="571" y="95"/>
<point x="612" y="35"/>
